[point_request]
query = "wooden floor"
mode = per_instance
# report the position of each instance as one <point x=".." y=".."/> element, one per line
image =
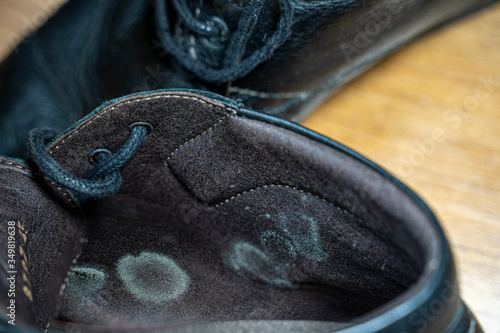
<point x="430" y="114"/>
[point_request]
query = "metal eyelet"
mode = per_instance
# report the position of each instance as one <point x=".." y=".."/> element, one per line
<point x="216" y="42"/>
<point x="142" y="123"/>
<point x="98" y="151"/>
<point x="219" y="25"/>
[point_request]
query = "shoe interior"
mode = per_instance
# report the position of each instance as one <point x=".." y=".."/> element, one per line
<point x="224" y="218"/>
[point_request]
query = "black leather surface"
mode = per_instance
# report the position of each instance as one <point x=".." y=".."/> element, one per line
<point x="92" y="51"/>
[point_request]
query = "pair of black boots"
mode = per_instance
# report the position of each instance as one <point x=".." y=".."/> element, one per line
<point x="179" y="210"/>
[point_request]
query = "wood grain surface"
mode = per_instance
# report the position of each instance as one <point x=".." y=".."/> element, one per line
<point x="430" y="115"/>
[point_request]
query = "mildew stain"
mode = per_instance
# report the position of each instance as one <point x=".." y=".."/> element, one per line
<point x="85" y="280"/>
<point x="152" y="277"/>
<point x="304" y="236"/>
<point x="253" y="263"/>
<point x="277" y="246"/>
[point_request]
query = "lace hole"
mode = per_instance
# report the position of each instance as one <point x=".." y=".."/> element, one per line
<point x="148" y="126"/>
<point x="98" y="151"/>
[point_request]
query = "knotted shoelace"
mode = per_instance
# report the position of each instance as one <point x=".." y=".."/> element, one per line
<point x="233" y="64"/>
<point x="103" y="180"/>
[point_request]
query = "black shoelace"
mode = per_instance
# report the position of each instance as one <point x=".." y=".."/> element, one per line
<point x="233" y="65"/>
<point x="103" y="180"/>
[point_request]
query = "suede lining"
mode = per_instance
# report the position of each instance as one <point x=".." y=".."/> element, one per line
<point x="225" y="218"/>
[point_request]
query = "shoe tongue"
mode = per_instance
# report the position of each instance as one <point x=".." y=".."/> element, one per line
<point x="42" y="233"/>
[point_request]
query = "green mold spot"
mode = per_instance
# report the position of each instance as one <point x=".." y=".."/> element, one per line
<point x="153" y="278"/>
<point x="278" y="247"/>
<point x="254" y="264"/>
<point x="305" y="236"/>
<point x="85" y="280"/>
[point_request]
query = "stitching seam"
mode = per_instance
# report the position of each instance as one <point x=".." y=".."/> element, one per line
<point x="232" y="111"/>
<point x="286" y="186"/>
<point x="68" y="273"/>
<point x="196" y="137"/>
<point x="290" y="187"/>
<point x="65" y="282"/>
<point x="16" y="166"/>
<point x="185" y="143"/>
<point x="26" y="288"/>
